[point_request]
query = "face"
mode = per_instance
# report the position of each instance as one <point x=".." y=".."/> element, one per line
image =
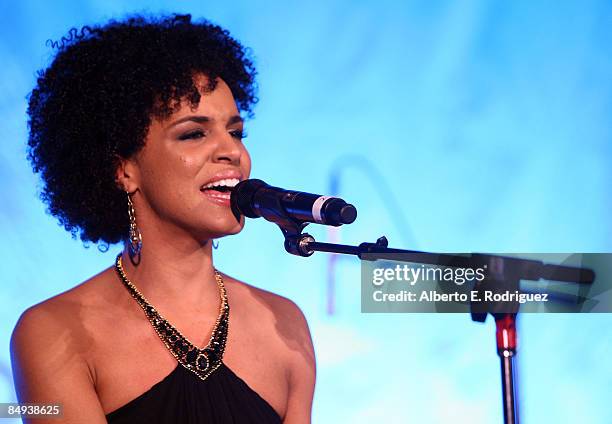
<point x="183" y="173"/>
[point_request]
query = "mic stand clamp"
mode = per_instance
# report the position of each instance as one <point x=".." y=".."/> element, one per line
<point x="297" y="244"/>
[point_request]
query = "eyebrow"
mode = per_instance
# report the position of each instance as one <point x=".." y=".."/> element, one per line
<point x="201" y="119"/>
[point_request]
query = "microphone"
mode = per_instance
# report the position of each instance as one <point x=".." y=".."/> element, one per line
<point x="254" y="198"/>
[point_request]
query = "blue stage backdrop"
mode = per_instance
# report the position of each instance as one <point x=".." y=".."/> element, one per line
<point x="452" y="126"/>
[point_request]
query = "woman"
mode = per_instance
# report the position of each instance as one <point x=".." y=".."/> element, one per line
<point x="136" y="131"/>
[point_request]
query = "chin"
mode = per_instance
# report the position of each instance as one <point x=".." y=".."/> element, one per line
<point x="223" y="229"/>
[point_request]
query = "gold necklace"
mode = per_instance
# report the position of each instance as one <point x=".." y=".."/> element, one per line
<point x="202" y="362"/>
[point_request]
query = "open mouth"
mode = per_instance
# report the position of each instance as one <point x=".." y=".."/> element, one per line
<point x="221" y="187"/>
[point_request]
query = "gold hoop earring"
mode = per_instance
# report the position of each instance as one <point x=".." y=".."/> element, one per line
<point x="135" y="238"/>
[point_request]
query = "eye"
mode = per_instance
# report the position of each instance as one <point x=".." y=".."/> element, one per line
<point x="238" y="134"/>
<point x="192" y="135"/>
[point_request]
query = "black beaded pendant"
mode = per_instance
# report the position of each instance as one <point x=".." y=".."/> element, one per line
<point x="201" y="362"/>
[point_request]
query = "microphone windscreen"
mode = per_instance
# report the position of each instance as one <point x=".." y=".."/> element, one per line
<point x="241" y="198"/>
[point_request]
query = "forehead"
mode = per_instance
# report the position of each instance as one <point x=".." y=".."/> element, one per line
<point x="218" y="104"/>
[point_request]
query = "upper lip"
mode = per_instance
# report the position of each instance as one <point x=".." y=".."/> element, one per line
<point x="224" y="175"/>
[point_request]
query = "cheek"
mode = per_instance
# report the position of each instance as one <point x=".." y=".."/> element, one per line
<point x="172" y="176"/>
<point x="245" y="163"/>
<point x="183" y="173"/>
<point x="191" y="162"/>
<point x="183" y="167"/>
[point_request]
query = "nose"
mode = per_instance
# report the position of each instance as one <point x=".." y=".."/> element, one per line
<point x="228" y="150"/>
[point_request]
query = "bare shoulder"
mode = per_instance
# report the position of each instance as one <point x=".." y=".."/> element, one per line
<point x="63" y="313"/>
<point x="278" y="311"/>
<point x="45" y="336"/>
<point x="59" y="323"/>
<point x="275" y="316"/>
<point x="49" y="347"/>
<point x="279" y="305"/>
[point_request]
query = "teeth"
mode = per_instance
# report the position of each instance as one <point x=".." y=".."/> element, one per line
<point x="229" y="182"/>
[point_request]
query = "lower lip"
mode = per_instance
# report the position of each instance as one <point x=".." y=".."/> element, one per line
<point x="217" y="197"/>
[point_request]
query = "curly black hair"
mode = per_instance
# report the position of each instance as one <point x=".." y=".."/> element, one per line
<point x="95" y="102"/>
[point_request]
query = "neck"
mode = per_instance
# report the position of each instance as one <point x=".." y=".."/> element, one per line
<point x="173" y="270"/>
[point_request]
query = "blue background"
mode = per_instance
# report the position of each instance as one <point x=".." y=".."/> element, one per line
<point x="452" y="126"/>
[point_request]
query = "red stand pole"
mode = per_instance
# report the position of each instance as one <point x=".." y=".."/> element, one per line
<point x="506" y="349"/>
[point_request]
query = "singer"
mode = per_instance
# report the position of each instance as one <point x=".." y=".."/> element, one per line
<point x="136" y="130"/>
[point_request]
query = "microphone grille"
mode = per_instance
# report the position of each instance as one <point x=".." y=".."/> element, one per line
<point x="242" y="195"/>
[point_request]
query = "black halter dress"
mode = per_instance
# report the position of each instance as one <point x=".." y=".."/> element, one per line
<point x="201" y="389"/>
<point x="183" y="398"/>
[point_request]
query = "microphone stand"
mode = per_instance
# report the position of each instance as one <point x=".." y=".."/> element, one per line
<point x="504" y="272"/>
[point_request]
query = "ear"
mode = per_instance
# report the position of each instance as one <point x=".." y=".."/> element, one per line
<point x="126" y="174"/>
